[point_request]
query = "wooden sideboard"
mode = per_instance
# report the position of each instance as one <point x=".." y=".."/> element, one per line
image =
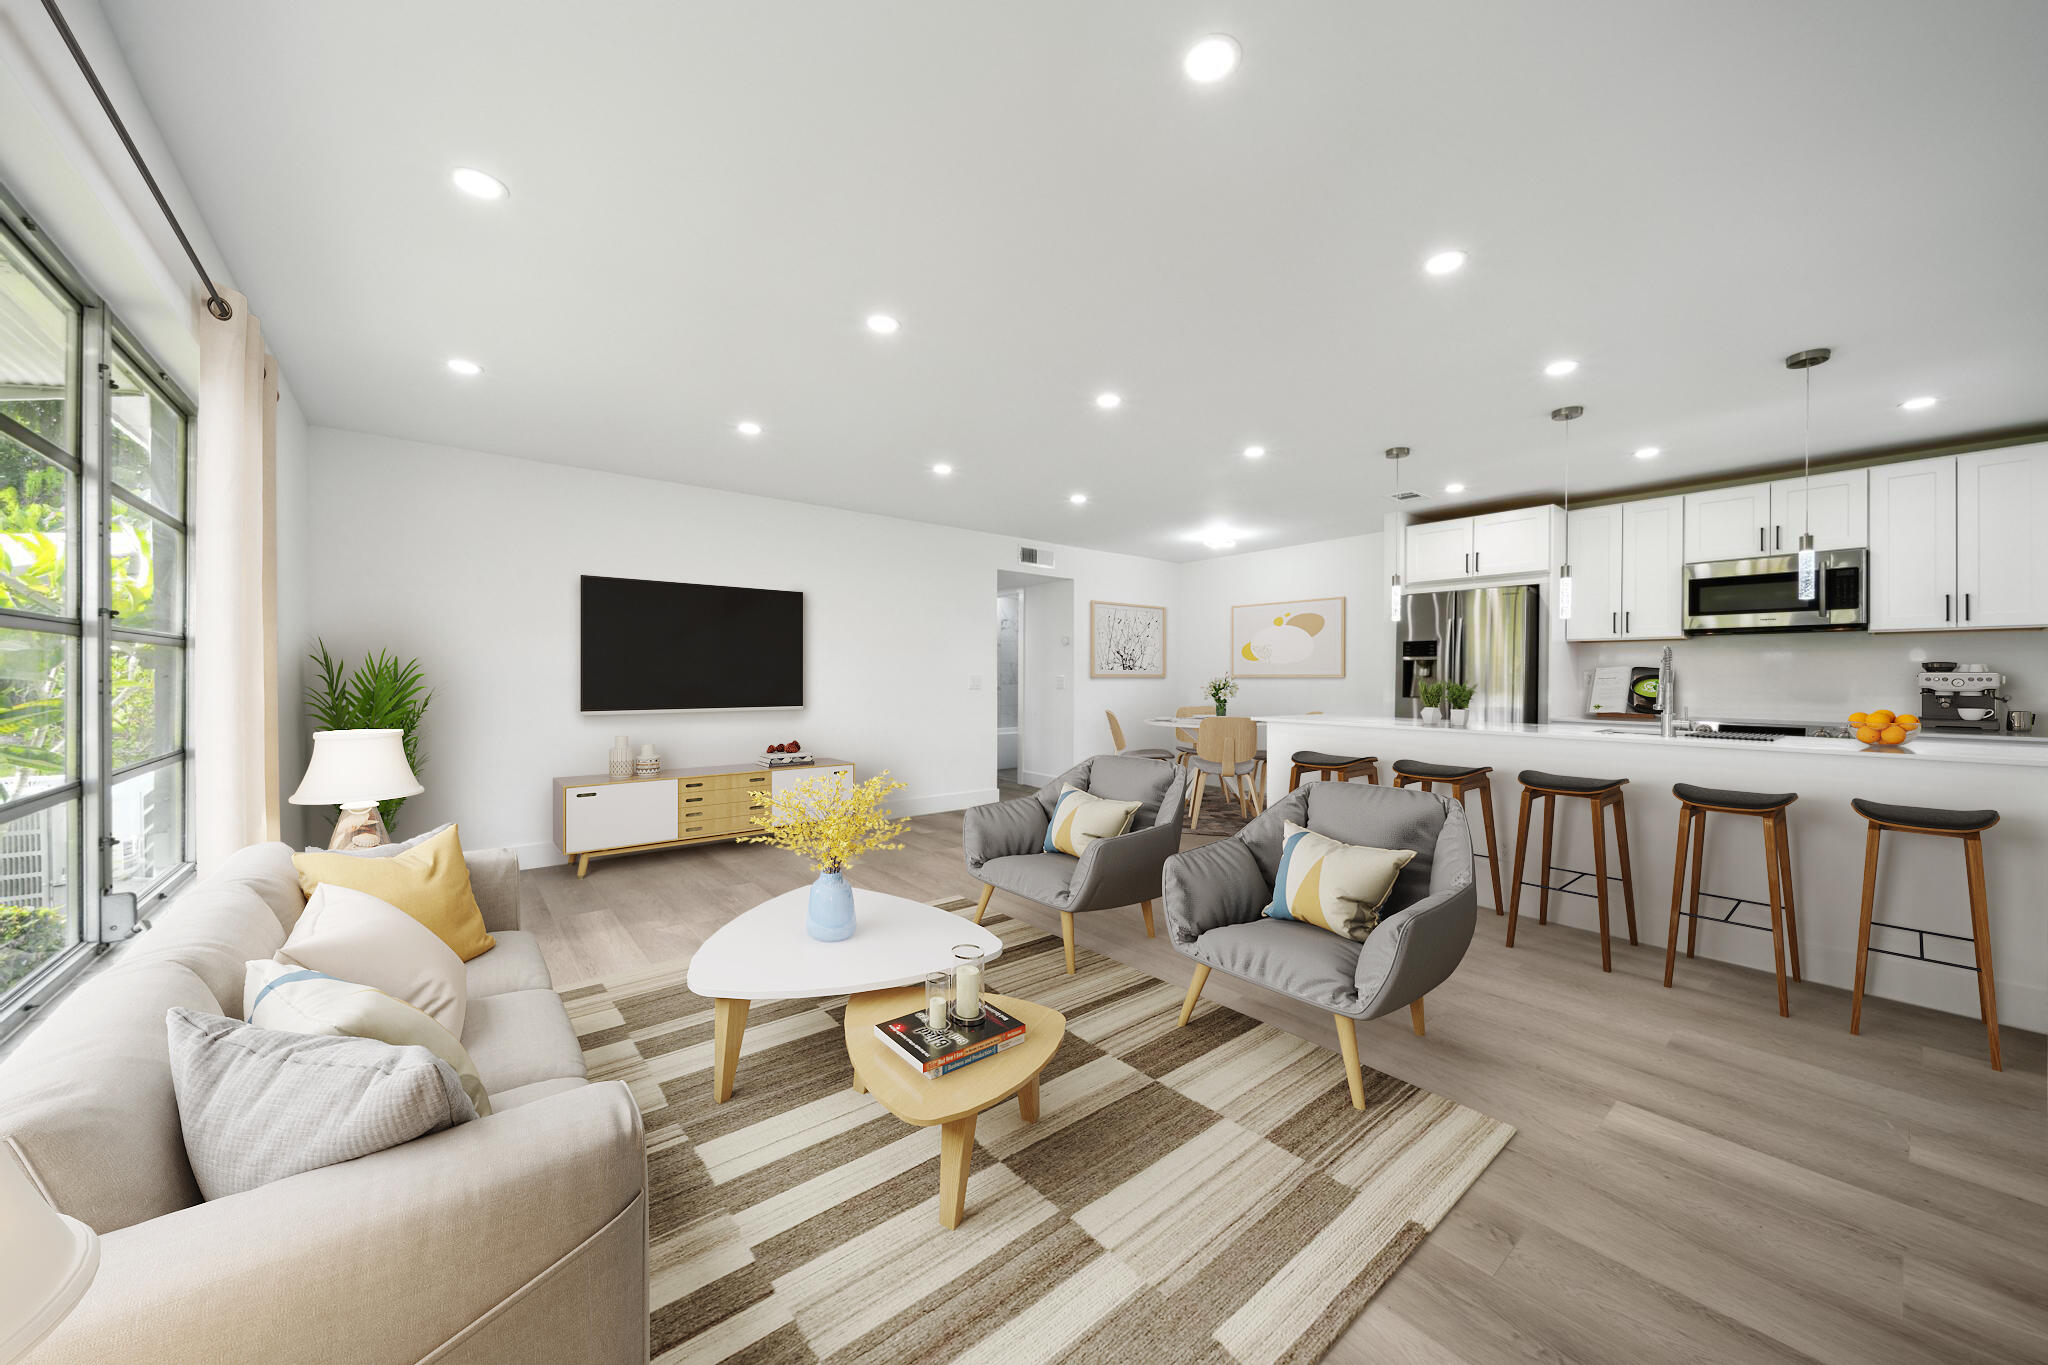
<point x="596" y="817"/>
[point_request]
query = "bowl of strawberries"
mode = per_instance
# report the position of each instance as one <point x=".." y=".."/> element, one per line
<point x="1882" y="729"/>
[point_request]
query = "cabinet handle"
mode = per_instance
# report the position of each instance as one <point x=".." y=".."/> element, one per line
<point x="691" y="800"/>
<point x="1475" y="561"/>
<point x="581" y="795"/>
<point x="1777" y="537"/>
<point x="1966" y="606"/>
<point x="692" y="786"/>
<point x="1760" y="545"/>
<point x="1946" y="600"/>
<point x="1625" y="618"/>
<point x="1468" y="562"/>
<point x="693" y="829"/>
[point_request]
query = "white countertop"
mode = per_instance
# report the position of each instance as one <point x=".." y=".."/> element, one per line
<point x="2000" y="752"/>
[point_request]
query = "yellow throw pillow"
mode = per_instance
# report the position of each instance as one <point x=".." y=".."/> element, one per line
<point x="1080" y="819"/>
<point x="429" y="882"/>
<point x="1331" y="884"/>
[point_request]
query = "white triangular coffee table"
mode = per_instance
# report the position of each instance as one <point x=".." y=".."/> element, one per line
<point x="766" y="955"/>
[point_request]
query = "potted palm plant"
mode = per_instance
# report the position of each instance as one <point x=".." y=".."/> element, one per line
<point x="829" y="824"/>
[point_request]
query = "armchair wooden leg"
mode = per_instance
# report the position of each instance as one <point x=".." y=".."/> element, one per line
<point x="1067" y="937"/>
<point x="981" y="906"/>
<point x="1187" y="1010"/>
<point x="1347" y="1041"/>
<point x="1147" y="907"/>
<point x="1415" y="1016"/>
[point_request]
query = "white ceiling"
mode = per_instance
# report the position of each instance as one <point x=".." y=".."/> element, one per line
<point x="708" y="199"/>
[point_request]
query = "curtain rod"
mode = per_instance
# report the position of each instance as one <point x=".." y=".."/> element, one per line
<point x="215" y="304"/>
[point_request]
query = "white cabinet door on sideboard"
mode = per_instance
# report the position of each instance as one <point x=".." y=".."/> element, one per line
<point x="1439" y="550"/>
<point x="1728" y="523"/>
<point x="1597" y="554"/>
<point x="2001" y="524"/>
<point x="619" y="815"/>
<point x="1913" y="545"/>
<point x="1841" y="511"/>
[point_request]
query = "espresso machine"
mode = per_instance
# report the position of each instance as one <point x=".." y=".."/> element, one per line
<point x="1961" y="697"/>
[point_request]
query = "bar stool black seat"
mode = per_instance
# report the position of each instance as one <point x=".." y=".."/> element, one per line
<point x="1966" y="825"/>
<point x="1435" y="772"/>
<point x="1332" y="767"/>
<point x="1414" y="772"/>
<point x="1599" y="793"/>
<point x="1693" y="805"/>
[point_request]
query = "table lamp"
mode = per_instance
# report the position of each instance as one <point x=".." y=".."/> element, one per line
<point x="355" y="769"/>
<point x="46" y="1262"/>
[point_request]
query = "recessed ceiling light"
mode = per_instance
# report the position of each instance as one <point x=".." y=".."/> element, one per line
<point x="1444" y="262"/>
<point x="882" y="325"/>
<point x="457" y="365"/>
<point x="747" y="428"/>
<point x="942" y="469"/>
<point x="1211" y="59"/>
<point x="1219" y="543"/>
<point x="1558" y="368"/>
<point x="1649" y="453"/>
<point x="1109" y="402"/>
<point x="1454" y="488"/>
<point x="477" y="185"/>
<point x="1920" y="404"/>
<point x="1255" y="452"/>
<point x="1077" y="498"/>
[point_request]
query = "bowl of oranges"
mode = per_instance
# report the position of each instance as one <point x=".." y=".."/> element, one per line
<point x="1882" y="729"/>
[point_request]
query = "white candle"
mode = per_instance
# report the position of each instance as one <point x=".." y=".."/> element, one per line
<point x="967" y="990"/>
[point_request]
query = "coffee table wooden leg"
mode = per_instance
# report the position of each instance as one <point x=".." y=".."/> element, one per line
<point x="728" y="1026"/>
<point x="1027" y="1102"/>
<point x="860" y="1087"/>
<point x="956" y="1152"/>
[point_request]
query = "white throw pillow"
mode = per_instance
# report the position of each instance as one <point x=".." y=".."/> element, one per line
<point x="298" y="1000"/>
<point x="354" y="936"/>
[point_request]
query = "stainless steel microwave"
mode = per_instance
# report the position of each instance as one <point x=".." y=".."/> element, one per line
<point x="1729" y="596"/>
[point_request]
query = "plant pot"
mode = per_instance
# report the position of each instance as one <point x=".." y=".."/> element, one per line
<point x="1459" y="715"/>
<point x="830" y="919"/>
<point x="1432" y="715"/>
<point x="1222" y="708"/>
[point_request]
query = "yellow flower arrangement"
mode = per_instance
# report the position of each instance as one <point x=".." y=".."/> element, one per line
<point x="829" y="824"/>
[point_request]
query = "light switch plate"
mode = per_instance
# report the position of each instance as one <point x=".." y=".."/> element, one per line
<point x="974" y="682"/>
<point x="1059" y="682"/>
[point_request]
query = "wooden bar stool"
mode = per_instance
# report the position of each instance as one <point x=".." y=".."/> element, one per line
<point x="1462" y="780"/>
<point x="1967" y="825"/>
<point x="1600" y="792"/>
<point x="1693" y="805"/>
<point x="1331" y="768"/>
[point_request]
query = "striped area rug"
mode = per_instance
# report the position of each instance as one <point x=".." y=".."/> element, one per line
<point x="1199" y="1194"/>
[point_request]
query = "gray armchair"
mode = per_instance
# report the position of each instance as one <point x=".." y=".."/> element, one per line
<point x="1214" y="896"/>
<point x="1005" y="842"/>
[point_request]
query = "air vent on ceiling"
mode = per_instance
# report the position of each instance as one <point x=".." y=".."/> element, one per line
<point x="1031" y="554"/>
<point x="1407" y="495"/>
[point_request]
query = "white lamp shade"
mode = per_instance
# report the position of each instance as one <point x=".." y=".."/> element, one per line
<point x="356" y="768"/>
<point x="46" y="1262"/>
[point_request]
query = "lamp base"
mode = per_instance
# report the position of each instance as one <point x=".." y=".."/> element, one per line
<point x="359" y="829"/>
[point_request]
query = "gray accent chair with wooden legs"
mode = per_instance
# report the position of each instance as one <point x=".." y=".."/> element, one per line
<point x="1215" y="896"/>
<point x="1005" y="843"/>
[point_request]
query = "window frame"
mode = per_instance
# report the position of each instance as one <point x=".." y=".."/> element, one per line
<point x="103" y="915"/>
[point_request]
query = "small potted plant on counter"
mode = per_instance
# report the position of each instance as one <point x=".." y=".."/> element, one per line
<point x="1432" y="695"/>
<point x="1221" y="690"/>
<point x="1459" y="695"/>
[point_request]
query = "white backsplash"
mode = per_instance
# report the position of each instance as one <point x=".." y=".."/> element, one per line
<point x="1818" y="676"/>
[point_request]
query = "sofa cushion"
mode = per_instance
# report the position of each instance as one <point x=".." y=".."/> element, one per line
<point x="1380" y="817"/>
<point x="258" y="1105"/>
<point x="1333" y="885"/>
<point x="87" y="1098"/>
<point x="295" y="1000"/>
<point x="356" y="937"/>
<point x="430" y="883"/>
<point x="539" y="1090"/>
<point x="515" y="964"/>
<point x="1081" y="818"/>
<point x="1295" y="959"/>
<point x="522" y="1037"/>
<point x="267" y="870"/>
<point x="1043" y="877"/>
<point x="215" y="928"/>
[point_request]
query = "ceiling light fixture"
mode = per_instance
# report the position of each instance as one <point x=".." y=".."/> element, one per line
<point x="1648" y="452"/>
<point x="1109" y="402"/>
<point x="882" y="325"/>
<point x="1077" y="498"/>
<point x="1396" y="454"/>
<point x="1444" y="262"/>
<point x="1809" y="562"/>
<point x="1454" y="488"/>
<point x="1219" y="543"/>
<point x="466" y="368"/>
<point x="1564" y="570"/>
<point x="1255" y="452"/>
<point x="1211" y="59"/>
<point x="1558" y="369"/>
<point x="942" y="469"/>
<point x="747" y="428"/>
<point x="1920" y="404"/>
<point x="477" y="185"/>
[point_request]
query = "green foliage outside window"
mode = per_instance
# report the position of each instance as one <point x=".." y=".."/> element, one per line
<point x="28" y="935"/>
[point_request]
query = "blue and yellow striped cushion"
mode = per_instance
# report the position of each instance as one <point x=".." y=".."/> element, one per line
<point x="1332" y="885"/>
<point x="1080" y="819"/>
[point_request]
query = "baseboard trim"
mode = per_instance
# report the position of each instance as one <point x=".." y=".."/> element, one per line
<point x="1034" y="779"/>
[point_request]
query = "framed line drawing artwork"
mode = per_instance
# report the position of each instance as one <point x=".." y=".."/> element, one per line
<point x="1126" y="640"/>
<point x="1299" y="639"/>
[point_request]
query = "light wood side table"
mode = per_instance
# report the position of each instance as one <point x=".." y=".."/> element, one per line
<point x="952" y="1100"/>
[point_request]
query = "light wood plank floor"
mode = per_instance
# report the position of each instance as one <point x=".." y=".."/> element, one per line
<point x="1693" y="1177"/>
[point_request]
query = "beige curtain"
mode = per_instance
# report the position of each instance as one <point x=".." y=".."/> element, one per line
<point x="233" y="708"/>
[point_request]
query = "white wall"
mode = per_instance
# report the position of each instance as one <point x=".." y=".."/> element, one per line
<point x="470" y="561"/>
<point x="1046" y="700"/>
<point x="294" y="608"/>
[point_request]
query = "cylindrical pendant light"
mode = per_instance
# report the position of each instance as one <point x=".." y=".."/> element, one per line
<point x="1809" y="562"/>
<point x="1396" y="454"/>
<point x="1564" y="568"/>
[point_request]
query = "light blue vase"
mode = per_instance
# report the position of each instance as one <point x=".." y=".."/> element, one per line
<point x="831" y="914"/>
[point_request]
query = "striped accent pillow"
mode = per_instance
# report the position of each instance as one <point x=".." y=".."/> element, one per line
<point x="1080" y="819"/>
<point x="1332" y="885"/>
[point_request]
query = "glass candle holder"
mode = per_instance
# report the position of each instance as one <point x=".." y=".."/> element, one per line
<point x="937" y="988"/>
<point x="967" y="969"/>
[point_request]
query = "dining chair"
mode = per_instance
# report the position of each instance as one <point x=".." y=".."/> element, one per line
<point x="1226" y="747"/>
<point x="1116" y="737"/>
<point x="1184" y="740"/>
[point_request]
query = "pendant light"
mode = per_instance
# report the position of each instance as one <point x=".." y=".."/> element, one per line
<point x="1809" y="562"/>
<point x="1396" y="454"/>
<point x="1564" y="570"/>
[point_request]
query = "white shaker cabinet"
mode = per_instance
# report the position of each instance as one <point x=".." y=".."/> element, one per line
<point x="1511" y="542"/>
<point x="1841" y="511"/>
<point x="1653" y="568"/>
<point x="1728" y="523"/>
<point x="1439" y="550"/>
<point x="2001" y="527"/>
<point x="1913" y="545"/>
<point x="1596" y="549"/>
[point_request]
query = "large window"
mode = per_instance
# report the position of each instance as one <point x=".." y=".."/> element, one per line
<point x="94" y="445"/>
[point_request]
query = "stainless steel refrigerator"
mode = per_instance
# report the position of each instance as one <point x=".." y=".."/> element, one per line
<point x="1491" y="638"/>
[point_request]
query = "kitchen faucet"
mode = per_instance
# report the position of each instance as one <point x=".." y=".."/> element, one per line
<point x="1667" y="694"/>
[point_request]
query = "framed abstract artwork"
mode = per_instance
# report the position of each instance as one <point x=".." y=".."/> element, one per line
<point x="1126" y="640"/>
<point x="1303" y="639"/>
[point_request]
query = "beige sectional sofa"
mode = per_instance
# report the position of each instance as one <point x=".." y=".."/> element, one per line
<point x="521" y="1236"/>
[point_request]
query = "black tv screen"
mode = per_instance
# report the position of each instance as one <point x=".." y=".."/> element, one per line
<point x="651" y="646"/>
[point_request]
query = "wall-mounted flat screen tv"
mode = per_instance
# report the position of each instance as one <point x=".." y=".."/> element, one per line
<point x="650" y="646"/>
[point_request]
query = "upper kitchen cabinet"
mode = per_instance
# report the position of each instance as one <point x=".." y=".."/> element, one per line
<point x="2001" y="520"/>
<point x="1488" y="546"/>
<point x="1913" y="545"/>
<point x="1628" y="562"/>
<point x="1595" y="548"/>
<point x="1768" y="518"/>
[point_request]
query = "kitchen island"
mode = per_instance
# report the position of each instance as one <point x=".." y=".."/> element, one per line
<point x="1920" y="879"/>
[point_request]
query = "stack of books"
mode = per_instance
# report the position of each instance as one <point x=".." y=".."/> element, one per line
<point x="936" y="1051"/>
